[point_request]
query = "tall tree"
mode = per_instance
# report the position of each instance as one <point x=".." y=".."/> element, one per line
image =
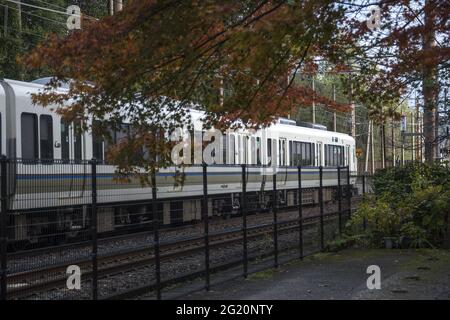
<point x="23" y="27"/>
<point x="154" y="60"/>
<point x="408" y="52"/>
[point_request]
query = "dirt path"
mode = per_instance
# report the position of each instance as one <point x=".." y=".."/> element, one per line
<point x="405" y="274"/>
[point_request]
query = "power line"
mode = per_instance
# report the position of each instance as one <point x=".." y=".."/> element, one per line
<point x="51" y="4"/>
<point x="34" y="15"/>
<point x="27" y="32"/>
<point x="38" y="7"/>
<point x="47" y="9"/>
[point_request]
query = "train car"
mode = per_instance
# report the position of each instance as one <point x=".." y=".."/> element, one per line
<point x="49" y="172"/>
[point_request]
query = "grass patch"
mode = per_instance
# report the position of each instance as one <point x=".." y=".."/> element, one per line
<point x="262" y="275"/>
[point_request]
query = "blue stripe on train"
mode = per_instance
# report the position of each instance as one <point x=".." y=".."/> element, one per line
<point x="110" y="176"/>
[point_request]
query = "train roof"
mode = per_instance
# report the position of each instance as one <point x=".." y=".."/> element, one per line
<point x="26" y="88"/>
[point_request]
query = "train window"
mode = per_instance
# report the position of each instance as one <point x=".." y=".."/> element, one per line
<point x="245" y="149"/>
<point x="253" y="150"/>
<point x="269" y="152"/>
<point x="97" y="143"/>
<point x="231" y="149"/>
<point x="77" y="146"/>
<point x="334" y="155"/>
<point x="282" y="149"/>
<point x="258" y="151"/>
<point x="319" y="153"/>
<point x="29" y="136"/>
<point x="123" y="133"/>
<point x="303" y="154"/>
<point x="239" y="149"/>
<point x="279" y="153"/>
<point x="313" y="153"/>
<point x="291" y="154"/>
<point x="46" y="137"/>
<point x="116" y="136"/>
<point x="224" y="148"/>
<point x="347" y="156"/>
<point x="65" y="150"/>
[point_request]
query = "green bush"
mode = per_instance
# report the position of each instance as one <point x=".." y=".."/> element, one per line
<point x="409" y="203"/>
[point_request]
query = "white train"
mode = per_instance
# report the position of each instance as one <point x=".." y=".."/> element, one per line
<point x="51" y="182"/>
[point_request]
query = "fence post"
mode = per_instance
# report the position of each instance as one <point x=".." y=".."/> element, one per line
<point x="94" y="229"/>
<point x="275" y="220"/>
<point x="156" y="244"/>
<point x="321" y="207"/>
<point x="349" y="193"/>
<point x="339" y="199"/>
<point x="206" y="224"/>
<point x="244" y="218"/>
<point x="364" y="183"/>
<point x="300" y="213"/>
<point x="3" y="221"/>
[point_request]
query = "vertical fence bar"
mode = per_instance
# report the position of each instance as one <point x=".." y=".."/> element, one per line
<point x="447" y="231"/>
<point x="349" y="193"/>
<point x="156" y="245"/>
<point x="275" y="219"/>
<point x="206" y="224"/>
<point x="3" y="236"/>
<point x="94" y="229"/>
<point x="322" y="245"/>
<point x="300" y="213"/>
<point x="364" y="183"/>
<point x="363" y="193"/>
<point x="339" y="199"/>
<point x="244" y="219"/>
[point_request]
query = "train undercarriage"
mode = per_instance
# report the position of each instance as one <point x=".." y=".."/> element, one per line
<point x="47" y="227"/>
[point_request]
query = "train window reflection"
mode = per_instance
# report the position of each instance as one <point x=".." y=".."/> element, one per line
<point x="46" y="137"/>
<point x="65" y="149"/>
<point x="29" y="136"/>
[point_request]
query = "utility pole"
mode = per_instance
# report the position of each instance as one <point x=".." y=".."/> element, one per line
<point x="403" y="131"/>
<point x="19" y="14"/>
<point x="413" y="139"/>
<point x="352" y="104"/>
<point x="384" y="143"/>
<point x="334" y="113"/>
<point x="111" y="7"/>
<point x="115" y="6"/>
<point x="119" y="4"/>
<point x="429" y="87"/>
<point x="313" y="103"/>
<point x="393" y="143"/>
<point x="373" y="148"/>
<point x="417" y="129"/>
<point x="383" y="146"/>
<point x="5" y="22"/>
<point x="366" y="167"/>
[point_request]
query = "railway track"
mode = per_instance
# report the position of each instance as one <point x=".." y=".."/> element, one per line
<point x="124" y="237"/>
<point x="24" y="285"/>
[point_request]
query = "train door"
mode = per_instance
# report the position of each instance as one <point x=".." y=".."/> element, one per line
<point x="282" y="149"/>
<point x="77" y="143"/>
<point x="319" y="161"/>
<point x="79" y="167"/>
<point x="72" y="155"/>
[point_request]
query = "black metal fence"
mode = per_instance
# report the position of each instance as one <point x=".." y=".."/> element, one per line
<point x="66" y="232"/>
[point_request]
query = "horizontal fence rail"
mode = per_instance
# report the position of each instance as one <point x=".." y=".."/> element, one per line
<point x="77" y="230"/>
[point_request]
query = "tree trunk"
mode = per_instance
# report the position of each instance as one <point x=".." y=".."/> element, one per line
<point x="429" y="88"/>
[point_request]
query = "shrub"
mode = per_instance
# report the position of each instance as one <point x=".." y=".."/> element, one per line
<point x="411" y="202"/>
